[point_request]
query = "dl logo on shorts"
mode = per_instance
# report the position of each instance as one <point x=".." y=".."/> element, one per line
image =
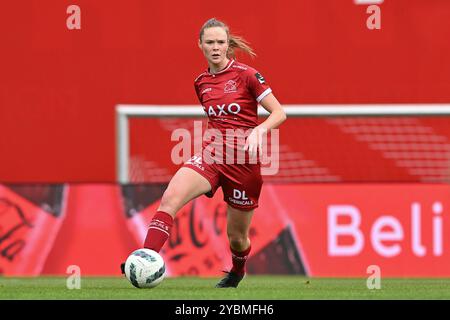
<point x="240" y="195"/>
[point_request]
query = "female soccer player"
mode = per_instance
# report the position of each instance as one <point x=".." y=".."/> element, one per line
<point x="229" y="92"/>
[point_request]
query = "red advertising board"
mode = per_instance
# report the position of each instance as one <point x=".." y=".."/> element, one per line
<point x="27" y="233"/>
<point x="327" y="230"/>
<point x="346" y="228"/>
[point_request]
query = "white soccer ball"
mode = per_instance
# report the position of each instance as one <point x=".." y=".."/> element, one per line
<point x="145" y="268"/>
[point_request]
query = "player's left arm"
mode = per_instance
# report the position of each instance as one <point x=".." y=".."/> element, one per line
<point x="277" y="115"/>
<point x="276" y="118"/>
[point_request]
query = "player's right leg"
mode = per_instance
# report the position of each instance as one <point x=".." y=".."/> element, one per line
<point x="185" y="185"/>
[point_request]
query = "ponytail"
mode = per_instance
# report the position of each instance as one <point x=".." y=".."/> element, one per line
<point x="237" y="42"/>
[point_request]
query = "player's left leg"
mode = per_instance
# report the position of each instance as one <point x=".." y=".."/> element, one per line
<point x="241" y="185"/>
<point x="238" y="226"/>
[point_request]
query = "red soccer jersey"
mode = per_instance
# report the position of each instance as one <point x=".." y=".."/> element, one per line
<point x="230" y="97"/>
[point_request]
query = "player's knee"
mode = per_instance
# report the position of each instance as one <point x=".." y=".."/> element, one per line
<point x="170" y="202"/>
<point x="238" y="241"/>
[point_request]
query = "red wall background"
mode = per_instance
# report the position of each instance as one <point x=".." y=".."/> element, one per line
<point x="58" y="87"/>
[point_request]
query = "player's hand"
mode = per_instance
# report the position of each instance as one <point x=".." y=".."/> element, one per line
<point x="254" y="142"/>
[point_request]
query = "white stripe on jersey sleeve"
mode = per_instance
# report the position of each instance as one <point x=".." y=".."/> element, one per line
<point x="264" y="94"/>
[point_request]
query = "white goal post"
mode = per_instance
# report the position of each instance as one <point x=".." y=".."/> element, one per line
<point x="126" y="111"/>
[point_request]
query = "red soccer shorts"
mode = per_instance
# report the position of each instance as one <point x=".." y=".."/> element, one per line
<point x="241" y="183"/>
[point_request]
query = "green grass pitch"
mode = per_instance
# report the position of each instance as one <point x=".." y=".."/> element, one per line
<point x="251" y="288"/>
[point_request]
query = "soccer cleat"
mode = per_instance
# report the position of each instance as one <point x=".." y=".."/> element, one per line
<point x="122" y="268"/>
<point x="231" y="280"/>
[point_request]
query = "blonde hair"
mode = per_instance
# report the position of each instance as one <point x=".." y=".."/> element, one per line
<point x="234" y="41"/>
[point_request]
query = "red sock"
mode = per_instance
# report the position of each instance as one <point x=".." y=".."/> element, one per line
<point x="158" y="231"/>
<point x="239" y="259"/>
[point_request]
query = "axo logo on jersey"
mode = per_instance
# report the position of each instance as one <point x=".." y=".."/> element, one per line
<point x="386" y="233"/>
<point x="223" y="110"/>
